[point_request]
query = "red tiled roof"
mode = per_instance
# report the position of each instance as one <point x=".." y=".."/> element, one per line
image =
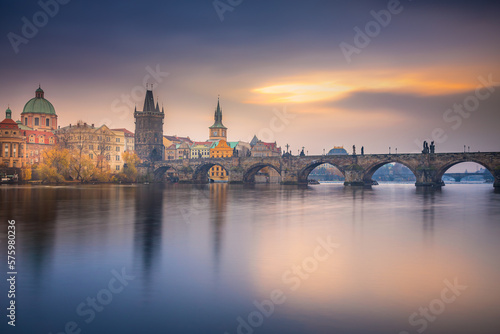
<point x="125" y="131"/>
<point x="8" y="124"/>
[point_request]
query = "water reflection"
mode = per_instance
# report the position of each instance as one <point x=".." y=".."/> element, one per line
<point x="218" y="207"/>
<point x="148" y="227"/>
<point x="398" y="244"/>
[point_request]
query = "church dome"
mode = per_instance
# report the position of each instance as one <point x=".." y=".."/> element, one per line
<point x="38" y="104"/>
<point x="338" y="150"/>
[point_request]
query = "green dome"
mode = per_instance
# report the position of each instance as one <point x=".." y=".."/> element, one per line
<point x="39" y="105"/>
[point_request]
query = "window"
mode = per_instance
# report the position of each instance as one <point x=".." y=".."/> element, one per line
<point x="47" y="122"/>
<point x="118" y="167"/>
<point x="52" y="140"/>
<point x="37" y="121"/>
<point x="117" y="158"/>
<point x="25" y="120"/>
<point x="118" y="149"/>
<point x="117" y="140"/>
<point x="108" y="157"/>
<point x="91" y="156"/>
<point x="91" y="147"/>
<point x="108" y="139"/>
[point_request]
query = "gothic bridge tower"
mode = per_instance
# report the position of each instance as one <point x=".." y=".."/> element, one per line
<point x="149" y="130"/>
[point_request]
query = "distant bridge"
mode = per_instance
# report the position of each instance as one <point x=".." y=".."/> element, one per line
<point x="357" y="169"/>
<point x="459" y="176"/>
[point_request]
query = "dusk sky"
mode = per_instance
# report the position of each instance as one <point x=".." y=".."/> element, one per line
<point x="267" y="58"/>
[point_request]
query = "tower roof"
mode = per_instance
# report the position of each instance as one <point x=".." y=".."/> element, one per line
<point x="8" y="122"/>
<point x="149" y="102"/>
<point x="218" y="118"/>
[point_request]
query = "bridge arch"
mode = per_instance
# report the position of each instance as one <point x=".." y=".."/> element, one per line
<point x="442" y="170"/>
<point x="159" y="173"/>
<point x="369" y="171"/>
<point x="250" y="172"/>
<point x="304" y="172"/>
<point x="200" y="174"/>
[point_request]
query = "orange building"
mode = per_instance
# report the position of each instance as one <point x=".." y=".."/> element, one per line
<point x="220" y="149"/>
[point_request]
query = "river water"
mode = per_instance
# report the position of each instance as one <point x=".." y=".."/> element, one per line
<point x="253" y="259"/>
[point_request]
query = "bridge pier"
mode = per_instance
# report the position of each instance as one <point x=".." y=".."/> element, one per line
<point x="236" y="175"/>
<point x="290" y="177"/>
<point x="428" y="177"/>
<point x="496" y="175"/>
<point x="354" y="177"/>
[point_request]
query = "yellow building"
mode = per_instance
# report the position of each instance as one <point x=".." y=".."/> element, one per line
<point x="200" y="150"/>
<point x="12" y="143"/>
<point x="98" y="143"/>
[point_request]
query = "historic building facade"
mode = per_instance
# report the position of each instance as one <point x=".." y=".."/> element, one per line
<point x="201" y="150"/>
<point x="129" y="138"/>
<point x="12" y="143"/>
<point x="38" y="122"/>
<point x="149" y="130"/>
<point x="99" y="143"/>
<point x="262" y="149"/>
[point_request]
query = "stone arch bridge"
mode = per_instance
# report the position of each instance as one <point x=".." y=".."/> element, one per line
<point x="357" y="169"/>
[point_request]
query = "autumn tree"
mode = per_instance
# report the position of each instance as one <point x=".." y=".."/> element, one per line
<point x="55" y="165"/>
<point x="130" y="160"/>
<point x="81" y="167"/>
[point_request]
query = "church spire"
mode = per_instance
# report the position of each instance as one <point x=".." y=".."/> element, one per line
<point x="218" y="113"/>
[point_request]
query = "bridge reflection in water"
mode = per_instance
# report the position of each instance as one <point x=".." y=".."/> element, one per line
<point x="358" y="170"/>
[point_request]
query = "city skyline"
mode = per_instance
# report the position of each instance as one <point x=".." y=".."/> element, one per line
<point x="394" y="92"/>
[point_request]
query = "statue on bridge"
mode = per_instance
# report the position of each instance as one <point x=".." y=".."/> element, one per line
<point x="302" y="154"/>
<point x="353" y="149"/>
<point x="362" y="150"/>
<point x="433" y="147"/>
<point x="426" y="148"/>
<point x="235" y="152"/>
